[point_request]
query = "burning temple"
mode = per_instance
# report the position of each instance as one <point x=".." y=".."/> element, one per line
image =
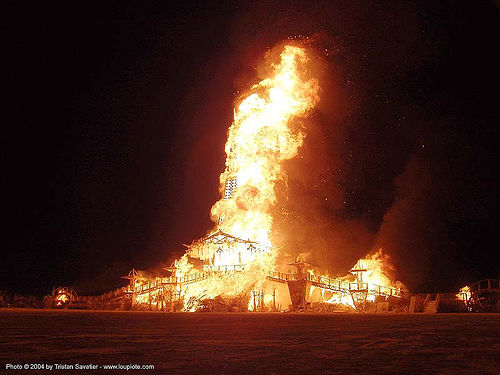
<point x="236" y="266"/>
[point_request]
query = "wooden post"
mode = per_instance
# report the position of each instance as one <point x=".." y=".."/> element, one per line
<point x="149" y="295"/>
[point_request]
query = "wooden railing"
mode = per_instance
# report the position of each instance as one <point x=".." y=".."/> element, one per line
<point x="323" y="282"/>
<point x="337" y="285"/>
<point x="490" y="285"/>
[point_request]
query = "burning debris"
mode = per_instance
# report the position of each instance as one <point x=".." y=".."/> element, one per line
<point x="62" y="297"/>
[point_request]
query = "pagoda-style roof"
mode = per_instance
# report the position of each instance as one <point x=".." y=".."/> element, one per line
<point x="219" y="237"/>
<point x="171" y="268"/>
<point x="131" y="275"/>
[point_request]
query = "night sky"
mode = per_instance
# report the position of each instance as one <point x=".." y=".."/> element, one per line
<point x="115" y="119"/>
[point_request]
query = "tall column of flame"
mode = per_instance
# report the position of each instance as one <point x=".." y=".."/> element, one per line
<point x="261" y="137"/>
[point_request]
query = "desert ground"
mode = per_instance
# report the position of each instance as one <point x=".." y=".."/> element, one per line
<point x="261" y="343"/>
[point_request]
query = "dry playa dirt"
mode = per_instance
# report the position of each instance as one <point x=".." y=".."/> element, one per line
<point x="260" y="343"/>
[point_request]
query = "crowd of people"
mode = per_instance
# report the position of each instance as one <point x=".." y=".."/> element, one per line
<point x="20" y="301"/>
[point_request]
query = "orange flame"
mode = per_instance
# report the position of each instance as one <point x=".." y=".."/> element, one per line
<point x="260" y="138"/>
<point x="464" y="294"/>
<point x="238" y="254"/>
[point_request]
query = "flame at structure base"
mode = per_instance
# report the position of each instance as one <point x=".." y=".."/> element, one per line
<point x="236" y="267"/>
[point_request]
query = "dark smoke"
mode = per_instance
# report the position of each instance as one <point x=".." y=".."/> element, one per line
<point x="409" y="229"/>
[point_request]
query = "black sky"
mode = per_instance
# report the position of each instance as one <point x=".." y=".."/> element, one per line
<point x="116" y="116"/>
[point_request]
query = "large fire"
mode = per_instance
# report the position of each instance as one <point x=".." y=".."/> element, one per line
<point x="237" y="261"/>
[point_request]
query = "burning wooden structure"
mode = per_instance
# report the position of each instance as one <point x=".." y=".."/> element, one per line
<point x="278" y="291"/>
<point x="236" y="265"/>
<point x="165" y="294"/>
<point x="481" y="296"/>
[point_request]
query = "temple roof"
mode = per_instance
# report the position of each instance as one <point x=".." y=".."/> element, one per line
<point x="220" y="237"/>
